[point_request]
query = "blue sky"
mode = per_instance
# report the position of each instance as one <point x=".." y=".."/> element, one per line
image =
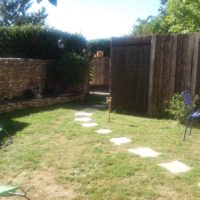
<point x="98" y="19"/>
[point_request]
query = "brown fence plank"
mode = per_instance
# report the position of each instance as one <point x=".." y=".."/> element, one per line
<point x="170" y="64"/>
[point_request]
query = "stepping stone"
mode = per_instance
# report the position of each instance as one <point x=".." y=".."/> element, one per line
<point x="99" y="106"/>
<point x="120" y="140"/>
<point x="82" y="119"/>
<point x="85" y="114"/>
<point x="144" y="152"/>
<point x="89" y="124"/>
<point x="175" y="167"/>
<point x="104" y="131"/>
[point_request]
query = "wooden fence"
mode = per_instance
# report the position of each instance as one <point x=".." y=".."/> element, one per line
<point x="130" y="61"/>
<point x="100" y="73"/>
<point x="152" y="69"/>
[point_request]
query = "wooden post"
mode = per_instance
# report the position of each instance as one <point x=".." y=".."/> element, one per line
<point x="189" y="62"/>
<point x="195" y="64"/>
<point x="109" y="102"/>
<point x="151" y="76"/>
<point x="173" y="65"/>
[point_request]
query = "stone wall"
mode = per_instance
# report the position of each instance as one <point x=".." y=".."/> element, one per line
<point x="18" y="75"/>
<point x="11" y="106"/>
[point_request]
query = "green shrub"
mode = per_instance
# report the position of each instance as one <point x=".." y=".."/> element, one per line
<point x="70" y="70"/>
<point x="38" y="43"/>
<point x="176" y="108"/>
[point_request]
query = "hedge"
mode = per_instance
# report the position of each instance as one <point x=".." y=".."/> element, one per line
<point x="99" y="45"/>
<point x="38" y="43"/>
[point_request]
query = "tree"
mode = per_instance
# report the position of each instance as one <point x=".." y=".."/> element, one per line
<point x="175" y="16"/>
<point x="153" y="24"/>
<point x="183" y="16"/>
<point x="16" y="12"/>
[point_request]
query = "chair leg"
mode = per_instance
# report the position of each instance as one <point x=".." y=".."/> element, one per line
<point x="10" y="139"/>
<point x="23" y="194"/>
<point x="191" y="125"/>
<point x="186" y="126"/>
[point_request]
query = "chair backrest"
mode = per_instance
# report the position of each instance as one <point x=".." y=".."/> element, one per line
<point x="187" y="98"/>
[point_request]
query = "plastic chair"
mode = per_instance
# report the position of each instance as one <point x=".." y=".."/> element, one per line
<point x="9" y="137"/>
<point x="6" y="190"/>
<point x="191" y="115"/>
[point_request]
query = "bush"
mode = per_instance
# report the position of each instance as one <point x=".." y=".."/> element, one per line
<point x="70" y="70"/>
<point x="176" y="108"/>
<point x="36" y="42"/>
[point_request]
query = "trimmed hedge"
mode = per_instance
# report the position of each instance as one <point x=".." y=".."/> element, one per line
<point x="38" y="43"/>
<point x="99" y="45"/>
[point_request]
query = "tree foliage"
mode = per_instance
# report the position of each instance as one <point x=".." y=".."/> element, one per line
<point x="175" y="16"/>
<point x="16" y="12"/>
<point x="183" y="15"/>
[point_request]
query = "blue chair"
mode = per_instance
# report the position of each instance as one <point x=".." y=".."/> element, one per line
<point x="191" y="114"/>
<point x="2" y="130"/>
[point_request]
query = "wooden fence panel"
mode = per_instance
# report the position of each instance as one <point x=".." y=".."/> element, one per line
<point x="168" y="63"/>
<point x="130" y="60"/>
<point x="100" y="73"/>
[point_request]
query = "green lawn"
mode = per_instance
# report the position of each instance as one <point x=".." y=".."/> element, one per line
<point x="54" y="158"/>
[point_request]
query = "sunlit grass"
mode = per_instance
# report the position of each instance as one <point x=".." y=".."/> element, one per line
<point x="53" y="157"/>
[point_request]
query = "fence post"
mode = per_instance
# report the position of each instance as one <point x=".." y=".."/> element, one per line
<point x="151" y="108"/>
<point x="195" y="63"/>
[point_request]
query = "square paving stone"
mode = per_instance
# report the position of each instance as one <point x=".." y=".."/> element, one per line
<point x="85" y="114"/>
<point x="175" y="167"/>
<point x="104" y="131"/>
<point x="120" y="140"/>
<point x="89" y="124"/>
<point x="144" y="152"/>
<point x="82" y="119"/>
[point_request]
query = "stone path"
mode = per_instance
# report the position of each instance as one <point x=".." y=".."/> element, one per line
<point x="89" y="124"/>
<point x="82" y="119"/>
<point x="144" y="152"/>
<point x="83" y="114"/>
<point x="103" y="131"/>
<point x="120" y="140"/>
<point x="174" y="167"/>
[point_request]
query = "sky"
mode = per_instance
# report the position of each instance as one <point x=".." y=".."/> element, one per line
<point x="98" y="19"/>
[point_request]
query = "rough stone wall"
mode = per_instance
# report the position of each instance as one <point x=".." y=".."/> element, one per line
<point x="35" y="103"/>
<point x="17" y="75"/>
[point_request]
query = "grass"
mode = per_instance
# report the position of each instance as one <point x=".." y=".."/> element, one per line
<point x="54" y="158"/>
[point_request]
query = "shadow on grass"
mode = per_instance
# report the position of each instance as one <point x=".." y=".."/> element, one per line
<point x="8" y="122"/>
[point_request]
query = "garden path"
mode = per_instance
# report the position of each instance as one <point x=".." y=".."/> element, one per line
<point x="174" y="166"/>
